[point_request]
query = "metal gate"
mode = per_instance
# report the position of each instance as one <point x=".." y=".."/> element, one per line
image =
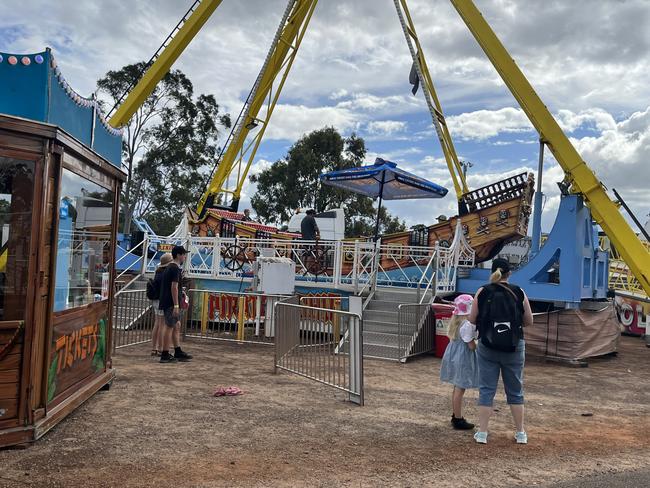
<point x="321" y="344"/>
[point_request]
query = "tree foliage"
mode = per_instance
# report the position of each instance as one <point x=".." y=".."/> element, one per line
<point x="293" y="182"/>
<point x="168" y="148"/>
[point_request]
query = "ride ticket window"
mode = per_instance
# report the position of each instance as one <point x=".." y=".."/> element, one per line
<point x="83" y="242"/>
<point x="16" y="203"/>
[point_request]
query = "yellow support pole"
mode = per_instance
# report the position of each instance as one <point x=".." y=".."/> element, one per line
<point x="241" y="302"/>
<point x="280" y="60"/>
<point x="162" y="65"/>
<point x="204" y="312"/>
<point x="439" y="122"/>
<point x="604" y="211"/>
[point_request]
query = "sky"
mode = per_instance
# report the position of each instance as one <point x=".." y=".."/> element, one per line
<point x="589" y="60"/>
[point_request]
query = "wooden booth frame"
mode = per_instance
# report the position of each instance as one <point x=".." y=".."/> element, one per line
<point x="51" y="150"/>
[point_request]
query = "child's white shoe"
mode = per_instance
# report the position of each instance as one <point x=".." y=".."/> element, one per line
<point x="521" y="438"/>
<point x="481" y="437"/>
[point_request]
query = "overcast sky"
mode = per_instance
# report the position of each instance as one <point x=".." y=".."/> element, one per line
<point x="588" y="59"/>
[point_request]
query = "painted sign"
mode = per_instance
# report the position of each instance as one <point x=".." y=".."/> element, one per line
<point x="163" y="247"/>
<point x="633" y="314"/>
<point x="78" y="351"/>
<point x="225" y="307"/>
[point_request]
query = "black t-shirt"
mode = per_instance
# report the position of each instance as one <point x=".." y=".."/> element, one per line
<point x="171" y="275"/>
<point x="309" y="228"/>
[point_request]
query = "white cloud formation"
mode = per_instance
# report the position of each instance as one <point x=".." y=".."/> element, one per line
<point x="290" y="122"/>
<point x="385" y="127"/>
<point x="484" y="124"/>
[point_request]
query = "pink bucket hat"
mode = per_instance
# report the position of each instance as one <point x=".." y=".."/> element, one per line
<point x="463" y="304"/>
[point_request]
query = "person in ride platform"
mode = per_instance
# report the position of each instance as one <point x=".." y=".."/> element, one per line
<point x="501" y="311"/>
<point x="247" y="216"/>
<point x="459" y="364"/>
<point x="154" y="294"/>
<point x="309" y="227"/>
<point x="171" y="298"/>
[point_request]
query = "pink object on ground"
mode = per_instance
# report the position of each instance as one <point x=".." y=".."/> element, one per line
<point x="229" y="391"/>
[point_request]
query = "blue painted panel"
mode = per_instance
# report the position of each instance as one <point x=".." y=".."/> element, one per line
<point x="23" y="89"/>
<point x="35" y="89"/>
<point x="75" y="119"/>
<point x="105" y="144"/>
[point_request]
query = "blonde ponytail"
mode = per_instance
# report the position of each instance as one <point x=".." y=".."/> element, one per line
<point x="454" y="326"/>
<point x="496" y="276"/>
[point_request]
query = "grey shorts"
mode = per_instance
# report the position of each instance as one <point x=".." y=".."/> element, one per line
<point x="170" y="320"/>
<point x="156" y="310"/>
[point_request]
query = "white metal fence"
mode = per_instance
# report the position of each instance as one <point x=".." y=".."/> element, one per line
<point x="355" y="265"/>
<point x="324" y="345"/>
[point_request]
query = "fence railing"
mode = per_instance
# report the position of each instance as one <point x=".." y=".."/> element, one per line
<point x="357" y="265"/>
<point x="324" y="345"/>
<point x="133" y="318"/>
<point x="416" y="329"/>
<point x="232" y="316"/>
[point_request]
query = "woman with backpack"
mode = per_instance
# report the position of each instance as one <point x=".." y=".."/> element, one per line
<point x="501" y="311"/>
<point x="153" y="293"/>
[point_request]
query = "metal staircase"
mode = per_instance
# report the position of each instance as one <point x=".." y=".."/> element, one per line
<point x="383" y="336"/>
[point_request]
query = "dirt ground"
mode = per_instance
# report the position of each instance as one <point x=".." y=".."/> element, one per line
<point x="160" y="426"/>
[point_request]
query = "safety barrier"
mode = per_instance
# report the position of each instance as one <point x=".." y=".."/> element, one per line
<point x="356" y="265"/>
<point x="324" y="345"/>
<point x="133" y="318"/>
<point x="231" y="316"/>
<point x="416" y="329"/>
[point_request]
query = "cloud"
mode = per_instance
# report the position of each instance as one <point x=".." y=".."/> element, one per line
<point x="620" y="157"/>
<point x="484" y="124"/>
<point x="385" y="127"/>
<point x="290" y="122"/>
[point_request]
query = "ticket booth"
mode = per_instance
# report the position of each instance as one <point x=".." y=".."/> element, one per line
<point x="59" y="188"/>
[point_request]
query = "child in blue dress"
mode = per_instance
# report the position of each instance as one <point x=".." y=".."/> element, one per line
<point x="459" y="363"/>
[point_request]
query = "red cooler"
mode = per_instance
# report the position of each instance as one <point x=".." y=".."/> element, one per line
<point x="443" y="316"/>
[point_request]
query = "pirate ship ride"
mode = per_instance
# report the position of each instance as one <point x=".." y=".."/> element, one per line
<point x="495" y="215"/>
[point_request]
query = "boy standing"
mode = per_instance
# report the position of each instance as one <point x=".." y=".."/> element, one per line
<point x="171" y="295"/>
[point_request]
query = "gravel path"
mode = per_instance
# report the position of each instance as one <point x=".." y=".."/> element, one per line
<point x="160" y="426"/>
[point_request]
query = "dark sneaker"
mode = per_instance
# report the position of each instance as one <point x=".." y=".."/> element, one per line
<point x="183" y="356"/>
<point x="461" y="424"/>
<point x="167" y="358"/>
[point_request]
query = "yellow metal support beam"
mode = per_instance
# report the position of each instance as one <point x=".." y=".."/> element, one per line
<point x="437" y="116"/>
<point x="163" y="64"/>
<point x="604" y="211"/>
<point x="241" y="303"/>
<point x="239" y="154"/>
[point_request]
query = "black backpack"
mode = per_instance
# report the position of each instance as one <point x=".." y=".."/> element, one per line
<point x="153" y="287"/>
<point x="501" y="316"/>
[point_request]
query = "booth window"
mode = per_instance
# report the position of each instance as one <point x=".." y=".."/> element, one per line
<point x="83" y="243"/>
<point x="16" y="203"/>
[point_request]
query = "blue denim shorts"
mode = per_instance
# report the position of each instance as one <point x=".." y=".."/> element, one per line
<point x="510" y="365"/>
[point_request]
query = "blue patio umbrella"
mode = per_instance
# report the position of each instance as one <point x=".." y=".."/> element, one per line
<point x="383" y="180"/>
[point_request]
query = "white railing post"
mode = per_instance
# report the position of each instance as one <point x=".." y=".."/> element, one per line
<point x="355" y="330"/>
<point x="145" y="253"/>
<point x="355" y="266"/>
<point x="215" y="255"/>
<point x="375" y="264"/>
<point x="338" y="262"/>
<point x="258" y="314"/>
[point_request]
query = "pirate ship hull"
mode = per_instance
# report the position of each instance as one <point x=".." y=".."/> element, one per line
<point x="497" y="214"/>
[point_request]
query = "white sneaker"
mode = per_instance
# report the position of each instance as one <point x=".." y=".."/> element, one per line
<point x="481" y="437"/>
<point x="521" y="438"/>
